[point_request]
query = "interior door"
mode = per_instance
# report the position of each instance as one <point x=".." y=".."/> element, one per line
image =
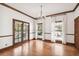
<point x="25" y="31"/>
<point x="77" y="33"/>
<point x="18" y="31"/>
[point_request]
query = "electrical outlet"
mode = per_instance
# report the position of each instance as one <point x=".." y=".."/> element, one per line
<point x="5" y="44"/>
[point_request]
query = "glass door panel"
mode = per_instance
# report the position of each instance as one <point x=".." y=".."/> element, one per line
<point x="39" y="30"/>
<point x="18" y="31"/>
<point x="25" y="31"/>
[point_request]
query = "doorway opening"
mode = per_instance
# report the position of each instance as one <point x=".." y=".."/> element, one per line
<point x="20" y="31"/>
<point x="39" y="31"/>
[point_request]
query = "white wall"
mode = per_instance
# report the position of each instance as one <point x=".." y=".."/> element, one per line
<point x="47" y="28"/>
<point x="6" y="16"/>
<point x="70" y="27"/>
<point x="68" y="23"/>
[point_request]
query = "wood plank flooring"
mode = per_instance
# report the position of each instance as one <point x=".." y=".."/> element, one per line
<point x="40" y="48"/>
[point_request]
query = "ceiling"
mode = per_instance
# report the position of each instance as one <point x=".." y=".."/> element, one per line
<point x="34" y="9"/>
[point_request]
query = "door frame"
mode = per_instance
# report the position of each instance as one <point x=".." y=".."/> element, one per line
<point x="22" y="31"/>
<point x="75" y="30"/>
<point x="42" y="30"/>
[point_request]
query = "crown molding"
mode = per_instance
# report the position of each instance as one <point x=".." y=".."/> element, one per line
<point x="39" y="17"/>
<point x="65" y="11"/>
<point x="10" y="7"/>
<point x="62" y="12"/>
<point x="76" y="7"/>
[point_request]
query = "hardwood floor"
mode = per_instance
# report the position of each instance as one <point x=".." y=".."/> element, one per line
<point x="40" y="48"/>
